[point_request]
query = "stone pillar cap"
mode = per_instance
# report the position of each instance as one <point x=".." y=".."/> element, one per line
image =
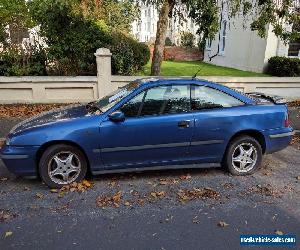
<point x="103" y="52"/>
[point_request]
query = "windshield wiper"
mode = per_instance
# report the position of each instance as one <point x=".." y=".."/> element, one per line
<point x="92" y="107"/>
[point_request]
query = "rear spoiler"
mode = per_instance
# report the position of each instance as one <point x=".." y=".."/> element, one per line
<point x="265" y="98"/>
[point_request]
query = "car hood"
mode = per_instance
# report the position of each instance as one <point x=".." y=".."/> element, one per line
<point x="53" y="116"/>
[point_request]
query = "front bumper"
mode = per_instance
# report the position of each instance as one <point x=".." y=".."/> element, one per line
<point x="278" y="139"/>
<point x="20" y="160"/>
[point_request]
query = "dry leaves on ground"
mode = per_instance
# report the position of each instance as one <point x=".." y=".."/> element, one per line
<point x="158" y="194"/>
<point x="296" y="139"/>
<point x="295" y="103"/>
<point x="168" y="181"/>
<point x="79" y="187"/>
<point x="267" y="190"/>
<point x="26" y="110"/>
<point x="185" y="195"/>
<point x="185" y="177"/>
<point x="113" y="200"/>
<point x="228" y="185"/>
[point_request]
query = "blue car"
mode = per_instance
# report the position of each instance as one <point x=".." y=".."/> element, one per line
<point x="150" y="124"/>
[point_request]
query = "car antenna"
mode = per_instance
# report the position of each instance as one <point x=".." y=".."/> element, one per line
<point x="199" y="71"/>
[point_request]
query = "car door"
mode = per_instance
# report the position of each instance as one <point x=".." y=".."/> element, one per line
<point x="216" y="114"/>
<point x="157" y="129"/>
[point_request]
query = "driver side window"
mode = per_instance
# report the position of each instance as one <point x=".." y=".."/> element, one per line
<point x="132" y="107"/>
<point x="169" y="99"/>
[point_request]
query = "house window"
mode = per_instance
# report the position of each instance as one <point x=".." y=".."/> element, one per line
<point x="223" y="37"/>
<point x="208" y="44"/>
<point x="294" y="46"/>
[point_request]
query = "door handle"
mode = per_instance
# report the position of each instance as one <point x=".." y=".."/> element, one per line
<point x="184" y="124"/>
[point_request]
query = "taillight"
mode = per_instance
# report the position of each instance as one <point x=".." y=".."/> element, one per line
<point x="286" y="121"/>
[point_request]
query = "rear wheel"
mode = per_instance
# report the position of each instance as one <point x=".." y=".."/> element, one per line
<point x="243" y="156"/>
<point x="61" y="165"/>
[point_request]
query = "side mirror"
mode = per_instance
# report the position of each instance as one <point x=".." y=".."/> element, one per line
<point x="117" y="116"/>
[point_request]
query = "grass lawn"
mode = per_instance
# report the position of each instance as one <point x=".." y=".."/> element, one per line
<point x="178" y="68"/>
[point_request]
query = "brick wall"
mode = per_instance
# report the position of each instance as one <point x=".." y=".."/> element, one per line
<point x="181" y="54"/>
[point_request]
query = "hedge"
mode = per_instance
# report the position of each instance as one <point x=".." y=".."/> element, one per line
<point x="72" y="39"/>
<point x="283" y="66"/>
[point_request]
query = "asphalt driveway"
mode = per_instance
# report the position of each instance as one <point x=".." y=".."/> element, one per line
<point x="154" y="210"/>
<point x="182" y="209"/>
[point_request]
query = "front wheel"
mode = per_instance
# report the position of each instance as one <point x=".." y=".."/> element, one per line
<point x="243" y="156"/>
<point x="61" y="165"/>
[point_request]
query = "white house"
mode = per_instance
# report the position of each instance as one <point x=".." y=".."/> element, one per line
<point x="145" y="27"/>
<point x="238" y="47"/>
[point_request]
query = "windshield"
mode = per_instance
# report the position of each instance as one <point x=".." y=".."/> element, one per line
<point x="113" y="98"/>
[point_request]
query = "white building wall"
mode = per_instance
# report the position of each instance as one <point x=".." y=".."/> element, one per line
<point x="243" y="49"/>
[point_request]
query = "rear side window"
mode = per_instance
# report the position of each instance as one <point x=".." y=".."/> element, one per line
<point x="206" y="98"/>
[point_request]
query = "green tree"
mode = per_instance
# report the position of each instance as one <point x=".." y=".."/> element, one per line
<point x="72" y="36"/>
<point x="117" y="15"/>
<point x="187" y="39"/>
<point x="14" y="16"/>
<point x="206" y="13"/>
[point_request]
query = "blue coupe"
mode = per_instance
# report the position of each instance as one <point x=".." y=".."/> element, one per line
<point x="150" y="124"/>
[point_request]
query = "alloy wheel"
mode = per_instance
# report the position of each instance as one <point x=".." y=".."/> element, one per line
<point x="64" y="168"/>
<point x="244" y="157"/>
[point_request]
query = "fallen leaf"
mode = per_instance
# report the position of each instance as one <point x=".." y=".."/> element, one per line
<point x="39" y="195"/>
<point x="278" y="232"/>
<point x="298" y="177"/>
<point x="6" y="215"/>
<point x="185" y="177"/>
<point x="163" y="183"/>
<point x="54" y="190"/>
<point x="127" y="203"/>
<point x="117" y="197"/>
<point x="159" y="194"/>
<point x="26" y="189"/>
<point x="61" y="194"/>
<point x="153" y="194"/>
<point x="222" y="224"/>
<point x="141" y="202"/>
<point x="195" y="220"/>
<point x="86" y="183"/>
<point x="4" y="179"/>
<point x="8" y="234"/>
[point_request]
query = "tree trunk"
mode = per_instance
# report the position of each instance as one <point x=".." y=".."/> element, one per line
<point x="162" y="26"/>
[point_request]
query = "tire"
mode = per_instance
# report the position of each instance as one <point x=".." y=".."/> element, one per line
<point x="61" y="165"/>
<point x="237" y="161"/>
